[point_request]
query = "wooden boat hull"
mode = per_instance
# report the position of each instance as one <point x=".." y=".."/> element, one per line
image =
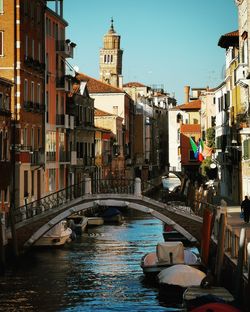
<point x="56" y="236"/>
<point x="53" y="241"/>
<point x="95" y="221"/>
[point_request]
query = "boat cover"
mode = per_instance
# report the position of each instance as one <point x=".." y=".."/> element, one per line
<point x="170" y="252"/>
<point x="110" y="212"/>
<point x="181" y="275"/>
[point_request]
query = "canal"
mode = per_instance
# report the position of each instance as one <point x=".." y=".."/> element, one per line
<point x="98" y="272"/>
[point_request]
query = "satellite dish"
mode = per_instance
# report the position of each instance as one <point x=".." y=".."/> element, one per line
<point x="76" y="69"/>
<point x="213" y="166"/>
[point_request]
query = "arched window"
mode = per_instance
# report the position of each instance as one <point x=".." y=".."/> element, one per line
<point x="178" y="118"/>
<point x="111" y="58"/>
<point x="105" y="58"/>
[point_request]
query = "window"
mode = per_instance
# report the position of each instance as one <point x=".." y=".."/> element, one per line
<point x="26" y="45"/>
<point x="38" y="93"/>
<point x="39" y="52"/>
<point x="38" y="14"/>
<point x="25" y="90"/>
<point x="32" y="92"/>
<point x="1" y="43"/>
<point x="1" y="6"/>
<point x="38" y="137"/>
<point x="33" y="49"/>
<point x="32" y="138"/>
<point x="25" y="137"/>
<point x="25" y="184"/>
<point x="32" y="182"/>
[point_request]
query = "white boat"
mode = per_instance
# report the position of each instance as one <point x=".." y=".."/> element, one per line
<point x="167" y="254"/>
<point x="93" y="221"/>
<point x="170" y="182"/>
<point x="77" y="223"/>
<point x="57" y="236"/>
<point x="176" y="279"/>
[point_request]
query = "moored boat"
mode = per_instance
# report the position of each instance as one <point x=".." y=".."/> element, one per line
<point x="77" y="223"/>
<point x="168" y="254"/>
<point x="196" y="296"/>
<point x="95" y="221"/>
<point x="170" y="235"/>
<point x="174" y="281"/>
<point x="57" y="236"/>
<point x="112" y="215"/>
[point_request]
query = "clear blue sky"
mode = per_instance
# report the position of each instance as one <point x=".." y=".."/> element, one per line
<point x="169" y="42"/>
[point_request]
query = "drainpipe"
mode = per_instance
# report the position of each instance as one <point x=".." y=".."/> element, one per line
<point x="13" y="145"/>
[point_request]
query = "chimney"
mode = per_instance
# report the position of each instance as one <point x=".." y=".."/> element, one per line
<point x="186" y="94"/>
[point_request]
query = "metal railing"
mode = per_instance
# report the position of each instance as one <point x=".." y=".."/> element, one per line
<point x="49" y="202"/>
<point x="113" y="186"/>
<point x="54" y="200"/>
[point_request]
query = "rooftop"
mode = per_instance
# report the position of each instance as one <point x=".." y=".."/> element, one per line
<point x="97" y="86"/>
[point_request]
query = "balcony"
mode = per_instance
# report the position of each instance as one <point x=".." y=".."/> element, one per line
<point x="65" y="48"/>
<point x="34" y="64"/>
<point x="60" y="83"/>
<point x="34" y="107"/>
<point x="37" y="158"/>
<point x="51" y="156"/>
<point x="62" y="121"/>
<point x="89" y="161"/>
<point x="241" y="75"/>
<point x="64" y="156"/>
<point x="242" y="120"/>
<point x="4" y="111"/>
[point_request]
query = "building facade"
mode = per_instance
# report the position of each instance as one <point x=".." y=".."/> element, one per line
<point x="22" y="61"/>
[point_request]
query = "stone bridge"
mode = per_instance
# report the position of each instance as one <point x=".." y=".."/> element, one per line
<point x="35" y="219"/>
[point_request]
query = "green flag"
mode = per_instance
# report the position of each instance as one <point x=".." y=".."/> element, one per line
<point x="193" y="145"/>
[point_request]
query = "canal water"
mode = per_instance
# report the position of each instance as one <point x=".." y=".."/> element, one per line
<point x="98" y="272"/>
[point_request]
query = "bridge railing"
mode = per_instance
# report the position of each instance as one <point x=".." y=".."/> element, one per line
<point x="114" y="186"/>
<point x="87" y="186"/>
<point x="49" y="202"/>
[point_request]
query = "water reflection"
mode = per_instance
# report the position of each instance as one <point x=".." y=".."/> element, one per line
<point x="98" y="272"/>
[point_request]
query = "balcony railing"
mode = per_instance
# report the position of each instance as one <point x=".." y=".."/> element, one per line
<point x="30" y="106"/>
<point x="60" y="120"/>
<point x="60" y="82"/>
<point x="34" y="64"/>
<point x="64" y="156"/>
<point x="37" y="158"/>
<point x="51" y="156"/>
<point x="64" y="48"/>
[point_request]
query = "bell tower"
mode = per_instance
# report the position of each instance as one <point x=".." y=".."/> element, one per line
<point x="111" y="58"/>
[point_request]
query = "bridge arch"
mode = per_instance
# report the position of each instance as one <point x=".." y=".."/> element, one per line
<point x="106" y="202"/>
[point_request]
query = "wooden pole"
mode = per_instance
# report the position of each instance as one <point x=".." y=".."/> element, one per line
<point x="220" y="248"/>
<point x="248" y="278"/>
<point x="239" y="269"/>
<point x="2" y="248"/>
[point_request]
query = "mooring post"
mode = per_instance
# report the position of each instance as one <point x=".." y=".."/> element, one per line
<point x="220" y="247"/>
<point x="239" y="269"/>
<point x="87" y="186"/>
<point x="248" y="277"/>
<point x="137" y="187"/>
